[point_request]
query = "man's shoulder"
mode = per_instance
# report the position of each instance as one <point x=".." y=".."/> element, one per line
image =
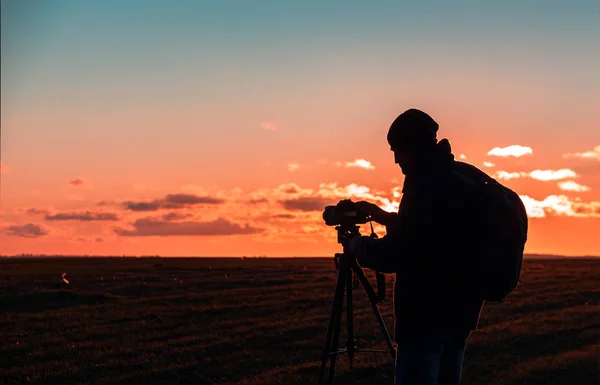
<point x="434" y="182"/>
<point x="442" y="186"/>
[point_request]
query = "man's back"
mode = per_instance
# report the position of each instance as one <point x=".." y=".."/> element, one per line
<point x="435" y="231"/>
<point x="428" y="248"/>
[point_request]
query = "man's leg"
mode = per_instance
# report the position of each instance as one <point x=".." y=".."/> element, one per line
<point x="452" y="357"/>
<point x="418" y="360"/>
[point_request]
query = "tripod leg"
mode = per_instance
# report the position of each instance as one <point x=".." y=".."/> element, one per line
<point x="336" y="338"/>
<point x="373" y="299"/>
<point x="334" y="323"/>
<point x="350" y="341"/>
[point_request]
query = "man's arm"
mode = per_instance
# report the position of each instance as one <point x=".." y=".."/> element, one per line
<point x="407" y="234"/>
<point x="388" y="219"/>
<point x="377" y="254"/>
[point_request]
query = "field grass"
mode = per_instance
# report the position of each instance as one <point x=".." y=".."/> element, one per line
<point x="263" y="321"/>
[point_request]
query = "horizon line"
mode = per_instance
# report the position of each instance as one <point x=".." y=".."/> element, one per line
<point x="32" y="255"/>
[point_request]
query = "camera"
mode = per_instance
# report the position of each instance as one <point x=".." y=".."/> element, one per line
<point x="344" y="213"/>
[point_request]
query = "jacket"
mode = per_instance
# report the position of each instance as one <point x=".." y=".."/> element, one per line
<point x="429" y="248"/>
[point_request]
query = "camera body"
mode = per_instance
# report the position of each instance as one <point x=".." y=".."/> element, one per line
<point x="345" y="214"/>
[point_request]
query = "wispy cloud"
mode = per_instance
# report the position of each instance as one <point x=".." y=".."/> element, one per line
<point x="29" y="230"/>
<point x="37" y="211"/>
<point x="542" y="175"/>
<point x="572" y="186"/>
<point x="86" y="216"/>
<point x="547" y="175"/>
<point x="77" y="181"/>
<point x="489" y="164"/>
<point x="509" y="175"/>
<point x="293" y="167"/>
<point x="295" y="198"/>
<point x="147" y="227"/>
<point x="560" y="205"/>
<point x="174" y="216"/>
<point x="515" y="150"/>
<point x="4" y="169"/>
<point x="361" y="163"/>
<point x="332" y="190"/>
<point x="592" y="154"/>
<point x="315" y="203"/>
<point x="269" y="126"/>
<point x="171" y="201"/>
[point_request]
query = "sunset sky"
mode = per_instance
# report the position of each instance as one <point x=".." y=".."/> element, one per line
<point x="196" y="128"/>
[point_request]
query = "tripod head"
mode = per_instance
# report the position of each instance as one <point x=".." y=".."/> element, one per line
<point x="344" y="233"/>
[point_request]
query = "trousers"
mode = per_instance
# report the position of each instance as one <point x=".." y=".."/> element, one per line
<point x="432" y="358"/>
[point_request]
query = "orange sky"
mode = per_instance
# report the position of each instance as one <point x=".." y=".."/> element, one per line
<point x="186" y="138"/>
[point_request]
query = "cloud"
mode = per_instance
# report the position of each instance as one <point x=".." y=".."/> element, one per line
<point x="171" y="201"/>
<point x="509" y="175"/>
<point x="547" y="175"/>
<point x="173" y="216"/>
<point x="257" y="201"/>
<point x="331" y="193"/>
<point x="86" y="216"/>
<point x="77" y="181"/>
<point x="572" y="186"/>
<point x="463" y="156"/>
<point x="190" y="199"/>
<point x="30" y="230"/>
<point x="361" y="163"/>
<point x="36" y="211"/>
<point x="592" y="154"/>
<point x="560" y="205"/>
<point x="143" y="206"/>
<point x="542" y="175"/>
<point x="147" y="227"/>
<point x="515" y="150"/>
<point x="289" y="188"/>
<point x="4" y="169"/>
<point x="354" y="191"/>
<point x="489" y="164"/>
<point x="293" y="167"/>
<point x="306" y="204"/>
<point x="284" y="216"/>
<point x="270" y="126"/>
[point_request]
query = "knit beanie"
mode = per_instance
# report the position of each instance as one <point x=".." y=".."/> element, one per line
<point x="413" y="130"/>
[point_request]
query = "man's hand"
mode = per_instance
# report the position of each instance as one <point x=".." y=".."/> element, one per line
<point x="350" y="244"/>
<point x="377" y="214"/>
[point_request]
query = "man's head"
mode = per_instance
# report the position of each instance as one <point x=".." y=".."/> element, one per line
<point x="412" y="135"/>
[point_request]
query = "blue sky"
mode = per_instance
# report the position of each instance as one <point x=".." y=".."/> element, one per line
<point x="108" y="41"/>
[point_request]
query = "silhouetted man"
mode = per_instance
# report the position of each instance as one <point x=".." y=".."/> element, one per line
<point x="428" y="246"/>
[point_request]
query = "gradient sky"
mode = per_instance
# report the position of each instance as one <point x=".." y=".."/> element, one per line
<point x="223" y="128"/>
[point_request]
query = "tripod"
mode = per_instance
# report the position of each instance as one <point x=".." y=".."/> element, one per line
<point x="347" y="266"/>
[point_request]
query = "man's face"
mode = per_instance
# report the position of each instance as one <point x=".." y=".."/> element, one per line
<point x="404" y="159"/>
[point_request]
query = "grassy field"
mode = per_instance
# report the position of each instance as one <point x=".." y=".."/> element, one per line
<point x="263" y="321"/>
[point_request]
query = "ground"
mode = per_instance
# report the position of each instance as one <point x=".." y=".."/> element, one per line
<point x="263" y="321"/>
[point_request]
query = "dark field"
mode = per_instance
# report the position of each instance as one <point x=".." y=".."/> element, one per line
<point x="263" y="321"/>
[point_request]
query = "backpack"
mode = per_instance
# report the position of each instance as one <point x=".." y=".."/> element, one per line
<point x="501" y="226"/>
